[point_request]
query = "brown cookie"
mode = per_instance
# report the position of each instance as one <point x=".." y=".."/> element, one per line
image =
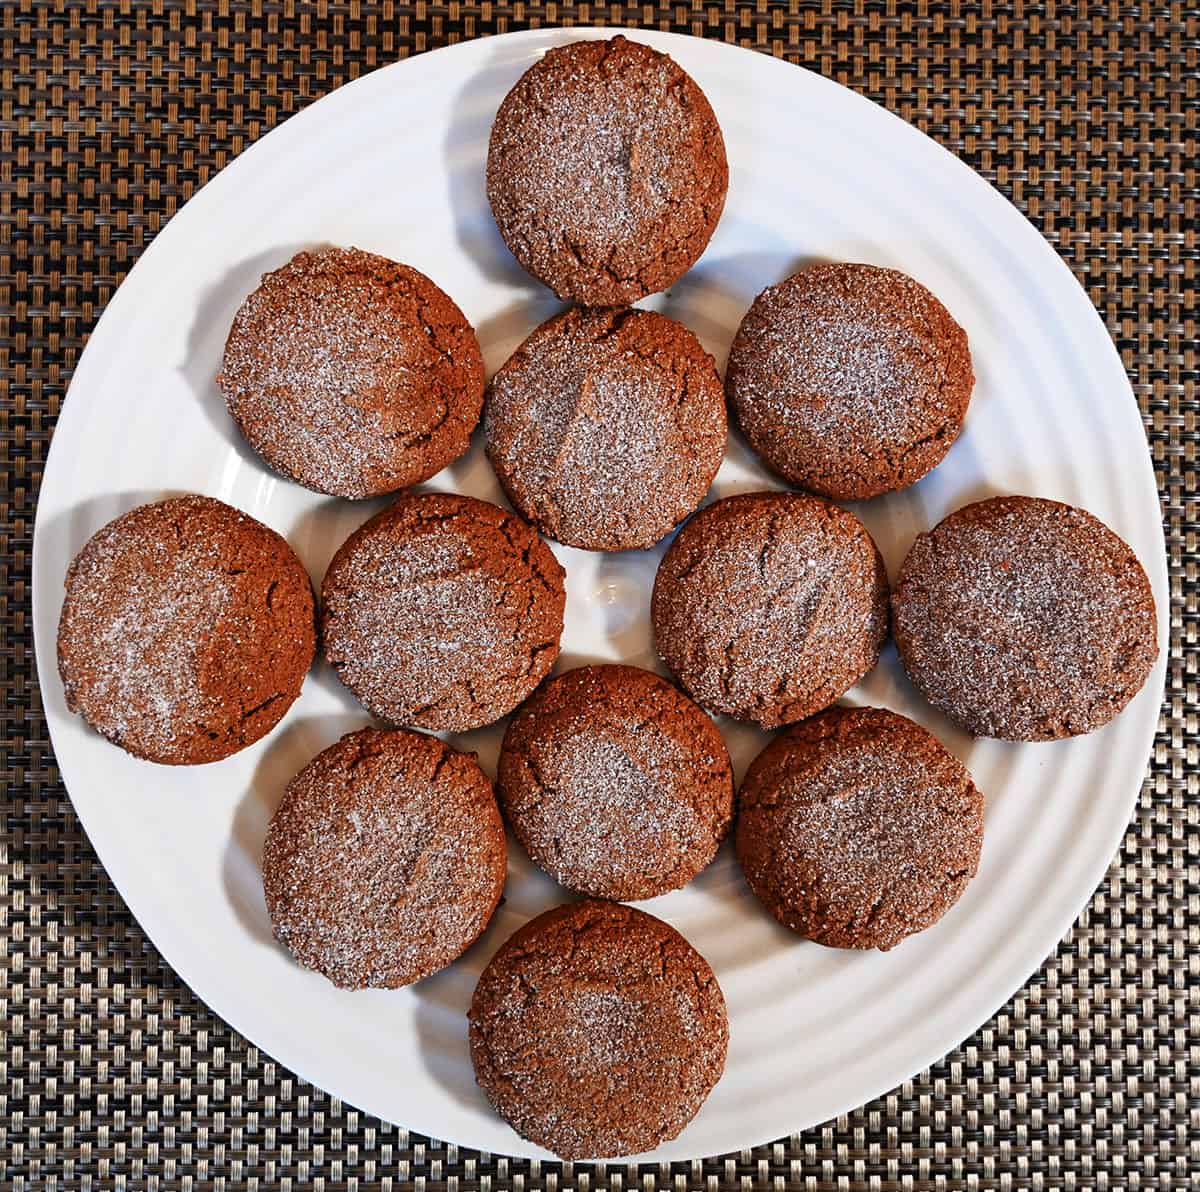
<point x="606" y="171"/>
<point x="615" y="782"/>
<point x="597" y="1031"/>
<point x="857" y="828"/>
<point x="351" y="374"/>
<point x="768" y="606"/>
<point x="186" y="632"/>
<point x="385" y="860"/>
<point x="606" y="427"/>
<point x="850" y="380"/>
<point x="442" y="611"/>
<point x="1025" y="619"/>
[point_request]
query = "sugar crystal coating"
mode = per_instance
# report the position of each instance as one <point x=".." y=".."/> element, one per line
<point x="352" y="374"/>
<point x="442" y="611"/>
<point x="606" y="427"/>
<point x="768" y="606"/>
<point x="615" y="782"/>
<point x="850" y="380"/>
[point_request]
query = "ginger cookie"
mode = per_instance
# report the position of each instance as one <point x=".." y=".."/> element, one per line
<point x="617" y="785"/>
<point x="351" y="374"/>
<point x="606" y="427"/>
<point x="606" y="171"/>
<point x="442" y="611"/>
<point x="858" y="828"/>
<point x="597" y="1031"/>
<point x="768" y="606"/>
<point x="1025" y="619"/>
<point x="850" y="380"/>
<point x="385" y="860"/>
<point x="186" y="632"/>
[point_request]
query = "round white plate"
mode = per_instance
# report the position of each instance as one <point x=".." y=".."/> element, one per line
<point x="393" y="163"/>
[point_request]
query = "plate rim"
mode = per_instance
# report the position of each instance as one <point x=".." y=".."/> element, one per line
<point x="1156" y="567"/>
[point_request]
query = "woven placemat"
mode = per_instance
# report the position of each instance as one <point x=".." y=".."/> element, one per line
<point x="112" y="112"/>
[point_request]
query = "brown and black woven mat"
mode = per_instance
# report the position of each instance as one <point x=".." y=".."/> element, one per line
<point x="112" y="112"/>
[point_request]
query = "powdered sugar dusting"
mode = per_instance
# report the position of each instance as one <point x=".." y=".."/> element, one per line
<point x="605" y="156"/>
<point x="149" y="664"/>
<point x="865" y="823"/>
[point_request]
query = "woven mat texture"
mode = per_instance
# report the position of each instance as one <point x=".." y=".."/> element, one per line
<point x="112" y="113"/>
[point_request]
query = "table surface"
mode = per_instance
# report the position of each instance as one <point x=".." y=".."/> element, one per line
<point x="112" y="113"/>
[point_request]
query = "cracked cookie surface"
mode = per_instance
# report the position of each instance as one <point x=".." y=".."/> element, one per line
<point x="442" y="611"/>
<point x="606" y="427"/>
<point x="849" y="380"/>
<point x="858" y="828"/>
<point x="1025" y="619"/>
<point x="385" y="860"/>
<point x="597" y="1030"/>
<point x="615" y="783"/>
<point x="606" y="171"/>
<point x="186" y="632"/>
<point x="769" y="606"/>
<point x="352" y="374"/>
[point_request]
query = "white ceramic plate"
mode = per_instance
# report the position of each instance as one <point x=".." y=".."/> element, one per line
<point x="394" y="163"/>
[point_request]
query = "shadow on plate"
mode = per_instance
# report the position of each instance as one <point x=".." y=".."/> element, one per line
<point x="322" y="528"/>
<point x="501" y="334"/>
<point x="713" y="296"/>
<point x="464" y="155"/>
<point x="440" y="1010"/>
<point x="286" y="754"/>
<point x="63" y="536"/>
<point x="471" y="473"/>
<point x="210" y="329"/>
